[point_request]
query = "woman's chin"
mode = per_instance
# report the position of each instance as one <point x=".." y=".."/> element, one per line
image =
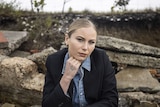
<point x="81" y="59"/>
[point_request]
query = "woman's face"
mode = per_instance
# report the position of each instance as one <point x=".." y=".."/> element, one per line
<point x="81" y="43"/>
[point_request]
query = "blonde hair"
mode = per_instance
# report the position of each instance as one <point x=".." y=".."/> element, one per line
<point x="79" y="23"/>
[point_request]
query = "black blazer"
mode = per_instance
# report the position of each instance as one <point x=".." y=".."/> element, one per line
<point x="99" y="84"/>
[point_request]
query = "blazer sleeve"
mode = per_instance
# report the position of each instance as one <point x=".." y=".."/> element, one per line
<point x="53" y="94"/>
<point x="109" y="96"/>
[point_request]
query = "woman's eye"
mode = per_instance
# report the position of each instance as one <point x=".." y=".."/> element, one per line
<point x="79" y="39"/>
<point x="91" y="42"/>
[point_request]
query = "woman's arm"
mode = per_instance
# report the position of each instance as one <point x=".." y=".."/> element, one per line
<point x="56" y="94"/>
<point x="71" y="69"/>
<point x="52" y="92"/>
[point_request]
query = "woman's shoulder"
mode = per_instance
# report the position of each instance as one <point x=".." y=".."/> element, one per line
<point x="98" y="51"/>
<point x="99" y="54"/>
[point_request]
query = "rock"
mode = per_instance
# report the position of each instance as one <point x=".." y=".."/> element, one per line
<point x="138" y="99"/>
<point x="134" y="59"/>
<point x="155" y="73"/>
<point x="20" y="82"/>
<point x="5" y="51"/>
<point x="16" y="69"/>
<point x="146" y="104"/>
<point x="8" y="105"/>
<point x="136" y="79"/>
<point x="35" y="82"/>
<point x="127" y="46"/>
<point x="40" y="58"/>
<point x="15" y="39"/>
<point x="3" y="41"/>
<point x="2" y="57"/>
<point x="18" y="53"/>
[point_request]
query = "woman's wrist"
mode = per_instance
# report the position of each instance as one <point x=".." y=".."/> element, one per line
<point x="67" y="78"/>
<point x="65" y="82"/>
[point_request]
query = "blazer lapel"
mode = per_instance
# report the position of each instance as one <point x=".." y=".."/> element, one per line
<point x="91" y="81"/>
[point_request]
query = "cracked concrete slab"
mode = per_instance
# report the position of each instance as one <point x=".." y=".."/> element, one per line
<point x="15" y="39"/>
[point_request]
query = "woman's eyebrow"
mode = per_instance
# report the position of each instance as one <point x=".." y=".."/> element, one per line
<point x="84" y="38"/>
<point x="80" y="37"/>
<point x="92" y="39"/>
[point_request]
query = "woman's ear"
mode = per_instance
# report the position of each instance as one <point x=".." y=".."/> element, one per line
<point x="66" y="39"/>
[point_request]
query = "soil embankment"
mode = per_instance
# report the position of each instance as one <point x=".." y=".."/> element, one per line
<point x="138" y="27"/>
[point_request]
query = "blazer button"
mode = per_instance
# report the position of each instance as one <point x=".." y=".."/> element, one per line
<point x="60" y="105"/>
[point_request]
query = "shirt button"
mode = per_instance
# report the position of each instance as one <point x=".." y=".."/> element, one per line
<point x="60" y="105"/>
<point x="82" y="105"/>
<point x="81" y="93"/>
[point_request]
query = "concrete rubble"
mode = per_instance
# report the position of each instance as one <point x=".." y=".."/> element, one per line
<point x="3" y="41"/>
<point x="22" y="77"/>
<point x="15" y="39"/>
<point x="127" y="46"/>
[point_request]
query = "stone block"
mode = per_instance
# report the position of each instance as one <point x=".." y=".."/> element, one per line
<point x="136" y="79"/>
<point x="15" y="39"/>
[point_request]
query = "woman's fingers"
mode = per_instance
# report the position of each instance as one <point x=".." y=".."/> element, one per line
<point x="73" y="64"/>
<point x="72" y="67"/>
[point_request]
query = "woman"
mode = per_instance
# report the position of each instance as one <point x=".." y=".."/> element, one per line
<point x="80" y="75"/>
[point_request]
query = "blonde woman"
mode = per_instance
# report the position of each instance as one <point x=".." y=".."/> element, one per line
<point x="80" y="75"/>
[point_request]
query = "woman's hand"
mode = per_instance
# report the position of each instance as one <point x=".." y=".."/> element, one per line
<point x="72" y="66"/>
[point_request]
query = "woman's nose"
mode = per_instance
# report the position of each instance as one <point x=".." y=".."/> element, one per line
<point x="85" y="46"/>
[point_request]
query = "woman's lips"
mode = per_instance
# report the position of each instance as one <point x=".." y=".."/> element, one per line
<point x="82" y="54"/>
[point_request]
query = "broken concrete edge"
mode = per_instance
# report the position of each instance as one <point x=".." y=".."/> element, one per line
<point x="3" y="41"/>
<point x="3" y="45"/>
<point x="134" y="59"/>
<point x="140" y="89"/>
<point x="15" y="39"/>
<point x="23" y="72"/>
<point x="140" y="97"/>
<point x="6" y="51"/>
<point x="2" y="57"/>
<point x="120" y="45"/>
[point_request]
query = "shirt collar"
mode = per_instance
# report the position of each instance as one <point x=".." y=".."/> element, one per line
<point x="86" y="63"/>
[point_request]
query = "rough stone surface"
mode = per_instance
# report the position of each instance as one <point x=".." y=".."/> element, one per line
<point x="5" y="51"/>
<point x="134" y="59"/>
<point x="35" y="82"/>
<point x="15" y="39"/>
<point x="19" y="79"/>
<point x="14" y="70"/>
<point x="126" y="46"/>
<point x="138" y="99"/>
<point x="18" y="53"/>
<point x="3" y="57"/>
<point x="8" y="105"/>
<point x="40" y="58"/>
<point x="20" y="96"/>
<point x="136" y="79"/>
<point x="3" y="41"/>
